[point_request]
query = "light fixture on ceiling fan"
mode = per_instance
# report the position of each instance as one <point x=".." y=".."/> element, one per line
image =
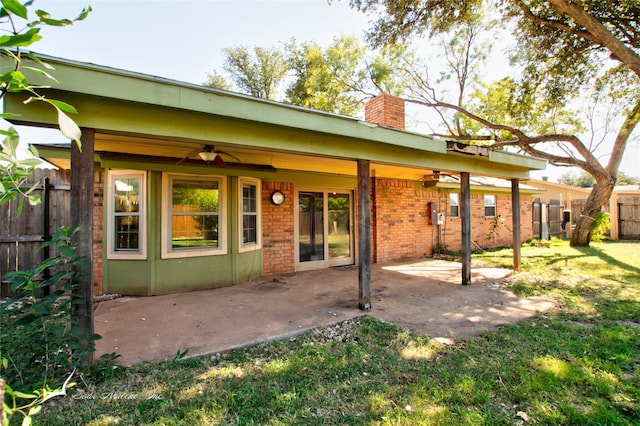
<point x="207" y="153"/>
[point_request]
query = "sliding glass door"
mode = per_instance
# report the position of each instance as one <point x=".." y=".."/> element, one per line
<point x="324" y="229"/>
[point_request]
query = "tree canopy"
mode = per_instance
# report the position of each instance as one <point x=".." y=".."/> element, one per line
<point x="334" y="78"/>
<point x="562" y="53"/>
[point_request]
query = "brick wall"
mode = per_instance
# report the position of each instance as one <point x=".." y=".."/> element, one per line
<point x="278" y="231"/>
<point x="386" y="110"/>
<point x="488" y="232"/>
<point x="401" y="220"/>
<point x="403" y="227"/>
<point x="98" y="235"/>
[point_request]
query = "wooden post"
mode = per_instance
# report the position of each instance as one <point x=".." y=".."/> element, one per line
<point x="82" y="169"/>
<point x="46" y="213"/>
<point x="364" y="235"/>
<point x="515" y="212"/>
<point x="465" y="208"/>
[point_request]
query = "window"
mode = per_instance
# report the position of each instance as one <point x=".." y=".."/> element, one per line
<point x="454" y="206"/>
<point x="489" y="206"/>
<point x="193" y="224"/>
<point x="249" y="214"/>
<point x="126" y="206"/>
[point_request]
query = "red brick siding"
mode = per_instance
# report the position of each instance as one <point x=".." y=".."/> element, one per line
<point x="278" y="231"/>
<point x="386" y="110"/>
<point x="98" y="235"/>
<point x="481" y="226"/>
<point x="403" y="228"/>
<point x="401" y="220"/>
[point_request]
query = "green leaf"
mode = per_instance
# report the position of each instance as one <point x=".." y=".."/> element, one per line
<point x="46" y="18"/>
<point x="68" y="127"/>
<point x="42" y="73"/>
<point x="26" y="421"/>
<point x="85" y="12"/>
<point x="7" y="410"/>
<point x="21" y="40"/>
<point x="15" y="7"/>
<point x="27" y="319"/>
<point x="35" y="410"/>
<point x="63" y="106"/>
<point x="19" y="394"/>
<point x="11" y="144"/>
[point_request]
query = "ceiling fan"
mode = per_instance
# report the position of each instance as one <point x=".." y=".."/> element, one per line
<point x="210" y="154"/>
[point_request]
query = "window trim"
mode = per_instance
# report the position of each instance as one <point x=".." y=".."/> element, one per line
<point x="457" y="205"/>
<point x="494" y="205"/>
<point x="242" y="247"/>
<point x="166" y="251"/>
<point x="141" y="253"/>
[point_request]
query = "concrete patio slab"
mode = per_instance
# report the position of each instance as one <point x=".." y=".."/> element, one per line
<point x="424" y="295"/>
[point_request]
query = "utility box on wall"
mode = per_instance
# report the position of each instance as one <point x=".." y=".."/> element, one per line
<point x="433" y="213"/>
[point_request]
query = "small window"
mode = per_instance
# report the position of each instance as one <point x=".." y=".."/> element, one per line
<point x="454" y="206"/>
<point x="489" y="205"/>
<point x="126" y="205"/>
<point x="249" y="214"/>
<point x="193" y="224"/>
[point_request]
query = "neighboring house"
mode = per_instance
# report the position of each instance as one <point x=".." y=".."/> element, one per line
<point x="624" y="205"/>
<point x="194" y="188"/>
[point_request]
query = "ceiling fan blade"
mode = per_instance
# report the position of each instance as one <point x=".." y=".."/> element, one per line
<point x="189" y="155"/>
<point x="230" y="155"/>
<point x="219" y="161"/>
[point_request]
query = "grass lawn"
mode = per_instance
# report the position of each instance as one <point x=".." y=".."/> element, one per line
<point x="579" y="364"/>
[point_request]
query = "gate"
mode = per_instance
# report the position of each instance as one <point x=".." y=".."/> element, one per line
<point x="555" y="218"/>
<point x="629" y="218"/>
<point x="552" y="223"/>
<point x="21" y="235"/>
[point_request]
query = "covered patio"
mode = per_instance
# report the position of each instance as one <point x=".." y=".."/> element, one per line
<point x="424" y="295"/>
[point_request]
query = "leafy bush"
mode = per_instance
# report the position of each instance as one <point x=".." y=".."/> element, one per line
<point x="39" y="338"/>
<point x="600" y="225"/>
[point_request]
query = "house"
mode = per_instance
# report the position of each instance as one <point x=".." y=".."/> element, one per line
<point x="186" y="187"/>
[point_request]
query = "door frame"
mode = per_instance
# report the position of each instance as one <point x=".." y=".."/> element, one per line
<point x="327" y="262"/>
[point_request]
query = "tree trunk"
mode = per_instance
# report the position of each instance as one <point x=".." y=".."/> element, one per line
<point x="599" y="196"/>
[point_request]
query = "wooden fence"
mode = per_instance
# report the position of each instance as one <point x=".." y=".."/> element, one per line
<point x="22" y="235"/>
<point x="553" y="221"/>
<point x="629" y="218"/>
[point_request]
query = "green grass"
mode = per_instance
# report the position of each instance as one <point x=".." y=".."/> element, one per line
<point x="579" y="364"/>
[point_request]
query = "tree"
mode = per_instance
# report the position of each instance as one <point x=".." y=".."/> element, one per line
<point x="336" y="78"/>
<point x="326" y="79"/>
<point x="585" y="180"/>
<point x="562" y="48"/>
<point x="217" y="81"/>
<point x="257" y="71"/>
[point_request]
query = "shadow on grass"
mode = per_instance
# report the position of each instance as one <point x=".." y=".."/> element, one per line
<point x="593" y="251"/>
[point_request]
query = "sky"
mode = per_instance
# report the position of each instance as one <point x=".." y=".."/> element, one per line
<point x="183" y="39"/>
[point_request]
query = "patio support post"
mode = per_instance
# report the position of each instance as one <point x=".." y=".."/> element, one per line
<point x="82" y="169"/>
<point x="515" y="212"/>
<point x="364" y="235"/>
<point x="465" y="208"/>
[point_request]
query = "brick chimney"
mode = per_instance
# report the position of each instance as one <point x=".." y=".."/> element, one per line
<point x="385" y="110"/>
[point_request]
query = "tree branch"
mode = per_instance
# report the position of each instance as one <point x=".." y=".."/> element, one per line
<point x="598" y="33"/>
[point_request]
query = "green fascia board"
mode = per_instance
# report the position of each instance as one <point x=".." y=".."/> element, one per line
<point x="486" y="189"/>
<point x="129" y="86"/>
<point x="130" y="103"/>
<point x="129" y="118"/>
<point x="531" y="163"/>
